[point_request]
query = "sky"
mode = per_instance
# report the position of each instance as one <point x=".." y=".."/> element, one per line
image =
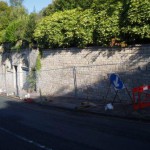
<point x="37" y="4"/>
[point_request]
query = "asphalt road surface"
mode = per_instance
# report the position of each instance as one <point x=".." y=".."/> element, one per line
<point x="26" y="126"/>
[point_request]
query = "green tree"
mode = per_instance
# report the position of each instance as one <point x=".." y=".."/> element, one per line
<point x="86" y="23"/>
<point x="18" y="13"/>
<point x="66" y="28"/>
<point x="16" y="3"/>
<point x="15" y="31"/>
<point x="11" y="18"/>
<point x="5" y="11"/>
<point x="61" y="5"/>
<point x="51" y="30"/>
<point x="30" y="27"/>
<point x="48" y="10"/>
<point x="107" y="21"/>
<point x="136" y="20"/>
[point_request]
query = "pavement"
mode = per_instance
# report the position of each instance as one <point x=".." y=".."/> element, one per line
<point x="119" y="110"/>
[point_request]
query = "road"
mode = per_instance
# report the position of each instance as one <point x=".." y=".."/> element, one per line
<point x="26" y="126"/>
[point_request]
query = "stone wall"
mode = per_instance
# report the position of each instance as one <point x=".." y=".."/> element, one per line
<point x="80" y="73"/>
<point x="83" y="73"/>
<point x="14" y="68"/>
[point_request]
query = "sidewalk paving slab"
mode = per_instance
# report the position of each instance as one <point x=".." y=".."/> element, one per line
<point x="121" y="111"/>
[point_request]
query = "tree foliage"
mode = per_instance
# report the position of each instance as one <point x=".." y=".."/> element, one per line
<point x="136" y="22"/>
<point x="78" y="27"/>
<point x="62" y="5"/>
<point x="18" y="13"/>
<point x="67" y="23"/>
<point x="16" y="3"/>
<point x="15" y="31"/>
<point x="66" y="28"/>
<point x="4" y="18"/>
<point x="4" y="15"/>
<point x="51" y="30"/>
<point x="30" y="26"/>
<point x="13" y="22"/>
<point x="107" y="22"/>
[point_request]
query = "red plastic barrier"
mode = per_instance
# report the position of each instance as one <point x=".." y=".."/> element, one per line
<point x="141" y="97"/>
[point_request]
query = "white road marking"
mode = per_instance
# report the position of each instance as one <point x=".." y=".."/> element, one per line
<point x="25" y="139"/>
